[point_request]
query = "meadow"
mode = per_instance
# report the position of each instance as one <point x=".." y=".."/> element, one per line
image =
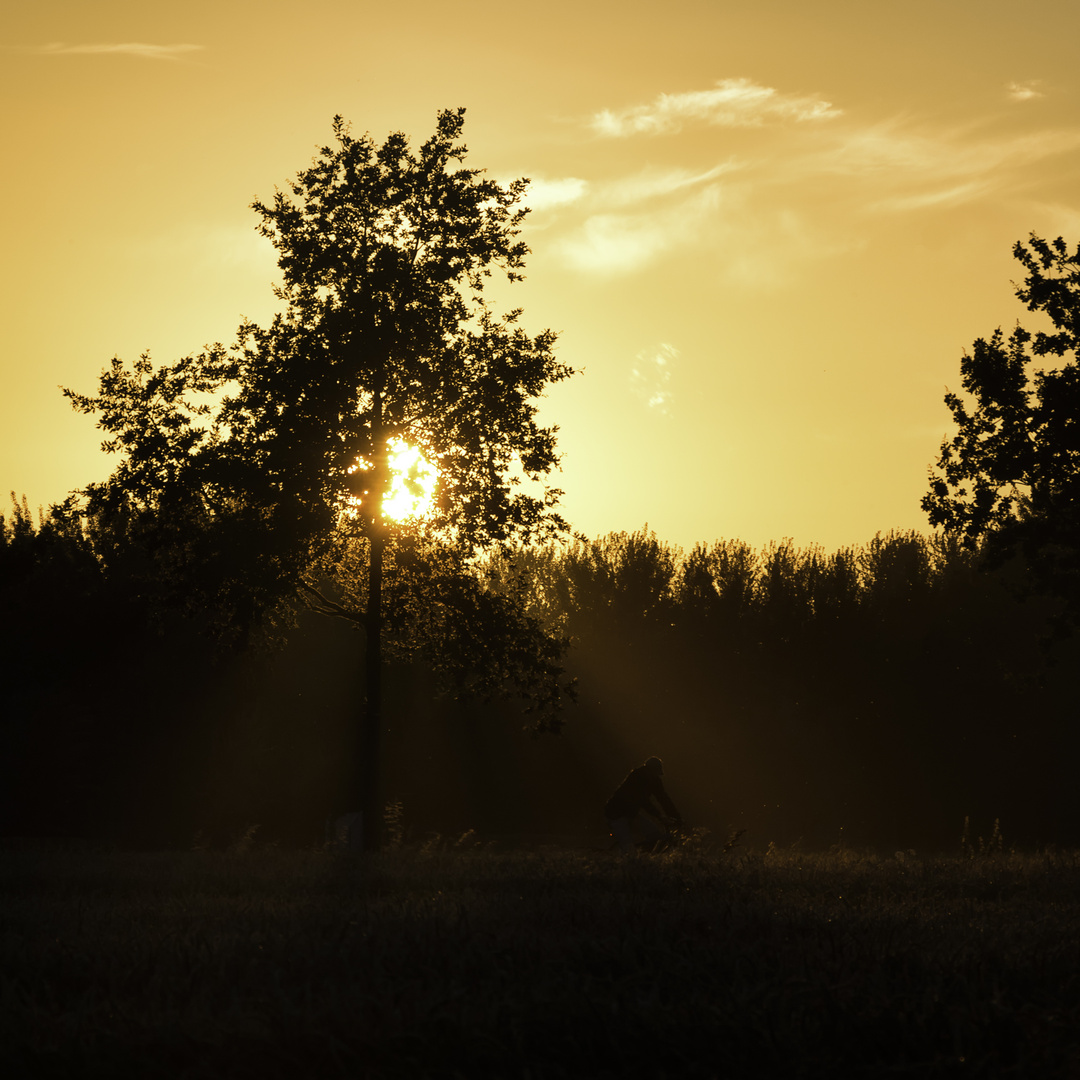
<point x="467" y="961"/>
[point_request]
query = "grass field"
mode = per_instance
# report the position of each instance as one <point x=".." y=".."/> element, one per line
<point x="476" y="963"/>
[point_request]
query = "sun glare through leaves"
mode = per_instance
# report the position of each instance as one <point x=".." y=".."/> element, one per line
<point x="411" y="492"/>
<point x="412" y="483"/>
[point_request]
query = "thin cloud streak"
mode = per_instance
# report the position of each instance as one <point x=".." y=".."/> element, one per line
<point x="627" y="191"/>
<point x="129" y="48"/>
<point x="883" y="150"/>
<point x="953" y="196"/>
<point x="904" y="172"/>
<point x="547" y="194"/>
<point x="732" y="103"/>
<point x="651" y="184"/>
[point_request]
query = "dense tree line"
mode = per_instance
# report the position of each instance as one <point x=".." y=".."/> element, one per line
<point x="880" y="693"/>
<point x="890" y="688"/>
<point x="877" y="694"/>
<point x="99" y="731"/>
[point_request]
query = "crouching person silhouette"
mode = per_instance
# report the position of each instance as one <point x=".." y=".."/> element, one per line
<point x="632" y="815"/>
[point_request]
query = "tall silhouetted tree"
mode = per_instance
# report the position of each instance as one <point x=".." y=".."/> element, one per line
<point x="1011" y="475"/>
<point x="262" y="492"/>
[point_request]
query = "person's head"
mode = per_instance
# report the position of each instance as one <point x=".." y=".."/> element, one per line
<point x="656" y="765"/>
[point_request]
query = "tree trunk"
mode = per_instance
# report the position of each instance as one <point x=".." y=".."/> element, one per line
<point x="371" y="737"/>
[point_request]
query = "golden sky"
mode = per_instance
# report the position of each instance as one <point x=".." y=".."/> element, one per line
<point x="766" y="231"/>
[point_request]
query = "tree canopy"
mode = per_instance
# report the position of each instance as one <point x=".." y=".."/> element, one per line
<point x="1009" y="479"/>
<point x="384" y="255"/>
<point x="253" y="475"/>
<point x="274" y="454"/>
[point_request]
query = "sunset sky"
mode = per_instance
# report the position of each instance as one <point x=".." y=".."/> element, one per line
<point x="765" y="232"/>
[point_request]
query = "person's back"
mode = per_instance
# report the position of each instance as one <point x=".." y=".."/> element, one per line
<point x="634" y="798"/>
<point x="635" y="793"/>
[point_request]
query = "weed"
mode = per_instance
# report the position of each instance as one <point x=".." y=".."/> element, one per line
<point x="243" y="839"/>
<point x="394" y="823"/>
<point x="981" y="848"/>
<point x="734" y="836"/>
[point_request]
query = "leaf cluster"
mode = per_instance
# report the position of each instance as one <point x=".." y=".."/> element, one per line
<point x="1009" y="479"/>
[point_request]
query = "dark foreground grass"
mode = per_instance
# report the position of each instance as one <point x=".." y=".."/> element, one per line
<point x="274" y="964"/>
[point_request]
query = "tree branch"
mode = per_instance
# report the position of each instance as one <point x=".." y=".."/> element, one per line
<point x="325" y="606"/>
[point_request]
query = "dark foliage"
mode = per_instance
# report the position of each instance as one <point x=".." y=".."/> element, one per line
<point x="101" y="735"/>
<point x="877" y="695"/>
<point x="250" y="478"/>
<point x="1009" y="480"/>
<point x="880" y="693"/>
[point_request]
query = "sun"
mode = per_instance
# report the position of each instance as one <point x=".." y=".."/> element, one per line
<point x="411" y="493"/>
<point x="412" y="482"/>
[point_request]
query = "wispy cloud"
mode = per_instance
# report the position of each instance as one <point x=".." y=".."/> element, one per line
<point x="1026" y="91"/>
<point x="619" y="243"/>
<point x="926" y="200"/>
<point x="546" y="194"/>
<point x="650" y="183"/>
<point x="809" y="192"/>
<point x="888" y="149"/>
<point x="731" y="103"/>
<point x="900" y="171"/>
<point x="127" y="48"/>
<point x="655" y="183"/>
<point x="650" y="377"/>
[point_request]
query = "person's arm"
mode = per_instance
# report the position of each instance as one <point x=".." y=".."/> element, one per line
<point x="669" y="807"/>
